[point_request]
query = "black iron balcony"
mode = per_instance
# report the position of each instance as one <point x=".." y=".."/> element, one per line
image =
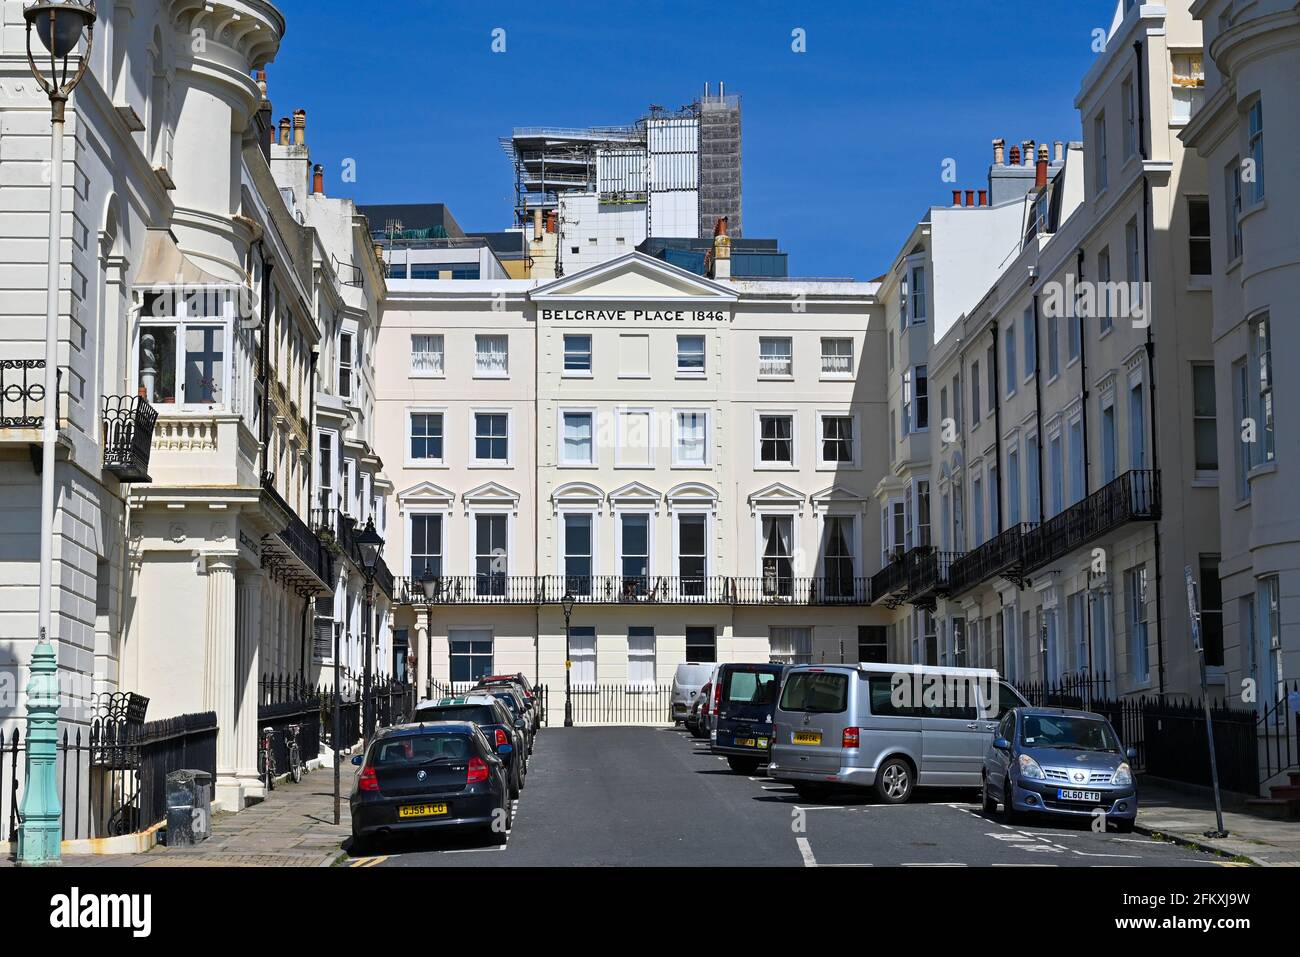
<point x="890" y="580"/>
<point x="917" y="576"/>
<point x="1003" y="555"/>
<point x="1132" y="497"/>
<point x="128" y="436"/>
<point x="338" y="528"/>
<point x="493" y="588"/>
<point x="295" y="554"/>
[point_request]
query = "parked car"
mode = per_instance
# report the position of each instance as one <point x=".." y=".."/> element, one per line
<point x="418" y="777"/>
<point x="874" y="726"/>
<point x="709" y="710"/>
<point x="525" y="688"/>
<point x="695" y="717"/>
<point x="513" y="699"/>
<point x="688" y="679"/>
<point x="498" y="726"/>
<point x="1059" y="762"/>
<point x="747" y="698"/>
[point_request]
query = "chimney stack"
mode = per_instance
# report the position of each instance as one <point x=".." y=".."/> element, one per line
<point x="1059" y="152"/>
<point x="284" y="131"/>
<point x="721" y="250"/>
<point x="299" y="127"/>
<point x="1040" y="174"/>
<point x="318" y="181"/>
<point x="999" y="156"/>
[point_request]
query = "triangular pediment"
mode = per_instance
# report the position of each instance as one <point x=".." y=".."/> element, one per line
<point x="778" y="494"/>
<point x="633" y="278"/>
<point x="834" y="494"/>
<point x="635" y="492"/>
<point x="489" y="494"/>
<point x="425" y="493"/>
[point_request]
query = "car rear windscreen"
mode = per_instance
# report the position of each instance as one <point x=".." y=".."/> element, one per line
<point x="421" y="749"/>
<point x="478" y="713"/>
<point x="819" y="691"/>
<point x="750" y="687"/>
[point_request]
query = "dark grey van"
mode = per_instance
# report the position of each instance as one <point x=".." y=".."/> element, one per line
<point x="743" y="726"/>
<point x="888" y="727"/>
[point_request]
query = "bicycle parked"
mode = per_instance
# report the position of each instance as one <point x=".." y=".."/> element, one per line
<point x="266" y="758"/>
<point x="296" y="768"/>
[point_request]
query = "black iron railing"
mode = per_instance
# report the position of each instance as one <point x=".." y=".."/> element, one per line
<point x="335" y="526"/>
<point x="22" y="393"/>
<point x="299" y="540"/>
<point x="128" y="436"/>
<point x="633" y="589"/>
<point x="1004" y="554"/>
<point x="1132" y="497"/>
<point x="919" y="574"/>
<point x="621" y="704"/>
<point x="112" y="773"/>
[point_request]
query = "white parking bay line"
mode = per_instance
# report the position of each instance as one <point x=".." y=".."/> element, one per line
<point x="943" y="864"/>
<point x="805" y="851"/>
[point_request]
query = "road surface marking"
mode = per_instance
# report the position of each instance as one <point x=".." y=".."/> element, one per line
<point x="805" y="851"/>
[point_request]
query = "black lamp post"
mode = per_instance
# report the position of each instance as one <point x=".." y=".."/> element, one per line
<point x="371" y="547"/>
<point x="567" y="603"/>
<point x="429" y="584"/>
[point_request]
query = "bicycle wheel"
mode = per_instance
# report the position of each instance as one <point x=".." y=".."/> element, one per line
<point x="295" y="762"/>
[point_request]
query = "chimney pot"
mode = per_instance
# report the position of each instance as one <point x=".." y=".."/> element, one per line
<point x="956" y="197"/>
<point x="299" y="127"/>
<point x="284" y="131"/>
<point x="1059" y="152"/>
<point x="970" y="197"/>
<point x="318" y="180"/>
<point x="1027" y="152"/>
<point x="984" y="197"/>
<point x="1015" y="156"/>
<point x="999" y="151"/>
<point x="1040" y="172"/>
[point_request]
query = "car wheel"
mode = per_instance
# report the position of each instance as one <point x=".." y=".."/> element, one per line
<point x="986" y="799"/>
<point x="743" y="765"/>
<point x="359" y="847"/>
<point x="514" y="782"/>
<point x="1124" y="826"/>
<point x="894" y="781"/>
<point x="1009" y="813"/>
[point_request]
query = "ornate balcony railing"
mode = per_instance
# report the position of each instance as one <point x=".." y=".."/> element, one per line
<point x="1132" y="497"/>
<point x="295" y="554"/>
<point x="917" y="576"/>
<point x="337" y="526"/>
<point x="1004" y="555"/>
<point x="128" y="436"/>
<point x="22" y="393"/>
<point x="633" y="589"/>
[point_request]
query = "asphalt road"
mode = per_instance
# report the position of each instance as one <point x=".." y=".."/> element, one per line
<point x="656" y="797"/>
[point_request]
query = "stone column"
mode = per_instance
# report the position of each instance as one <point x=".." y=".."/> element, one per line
<point x="219" y="670"/>
<point x="423" y="659"/>
<point x="251" y="586"/>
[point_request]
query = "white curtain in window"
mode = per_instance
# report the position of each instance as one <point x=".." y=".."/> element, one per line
<point x="577" y="437"/>
<point x="791" y="645"/>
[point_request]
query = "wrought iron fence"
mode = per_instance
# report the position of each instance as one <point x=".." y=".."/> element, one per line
<point x="1279" y="731"/>
<point x="619" y="704"/>
<point x="22" y="393"/>
<point x="112" y="774"/>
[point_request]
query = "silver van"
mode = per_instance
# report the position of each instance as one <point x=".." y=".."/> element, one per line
<point x="689" y="677"/>
<point x="890" y="727"/>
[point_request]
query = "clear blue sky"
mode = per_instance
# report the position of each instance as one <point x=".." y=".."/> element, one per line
<point x="842" y="144"/>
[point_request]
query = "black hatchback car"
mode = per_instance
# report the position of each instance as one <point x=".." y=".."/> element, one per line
<point x="503" y="731"/>
<point x="745" y="696"/>
<point x="420" y="777"/>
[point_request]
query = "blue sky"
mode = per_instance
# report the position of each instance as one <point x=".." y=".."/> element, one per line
<point x="843" y="144"/>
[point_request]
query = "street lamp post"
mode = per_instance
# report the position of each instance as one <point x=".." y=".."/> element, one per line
<point x="429" y="586"/>
<point x="59" y="26"/>
<point x="567" y="604"/>
<point x="371" y="546"/>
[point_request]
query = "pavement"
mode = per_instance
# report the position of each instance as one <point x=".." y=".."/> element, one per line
<point x="657" y="797"/>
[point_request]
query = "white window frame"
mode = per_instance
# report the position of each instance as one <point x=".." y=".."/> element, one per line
<point x="652" y="659"/>
<point x="440" y="350"/>
<point x="1100" y="153"/>
<point x="678" y="462"/>
<point x="410" y="461"/>
<point x="689" y="373"/>
<point x="759" y="464"/>
<point x="709" y="560"/>
<point x="779" y="376"/>
<point x="834" y="375"/>
<point x="619" y="513"/>
<point x="1260" y="383"/>
<point x="824" y="465"/>
<point x="855" y="541"/>
<point x="777" y="512"/>
<point x="565" y="371"/>
<point x="409" y="535"/>
<point x="476" y="511"/>
<point x="562" y="511"/>
<point x="480" y="373"/>
<point x="474" y="461"/>
<point x="580" y="659"/>
<point x="180" y="321"/>
<point x="560" y="459"/>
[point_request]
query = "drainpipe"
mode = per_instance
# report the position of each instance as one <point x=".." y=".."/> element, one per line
<point x="997" y="429"/>
<point x="1038" y="407"/>
<point x="264" y="372"/>
<point x="1151" y="365"/>
<point x="1083" y="378"/>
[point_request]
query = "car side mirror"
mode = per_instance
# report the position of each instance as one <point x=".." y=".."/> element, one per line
<point x="358" y="759"/>
<point x="519" y="723"/>
<point x="1131" y="753"/>
<point x="1002" y="744"/>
